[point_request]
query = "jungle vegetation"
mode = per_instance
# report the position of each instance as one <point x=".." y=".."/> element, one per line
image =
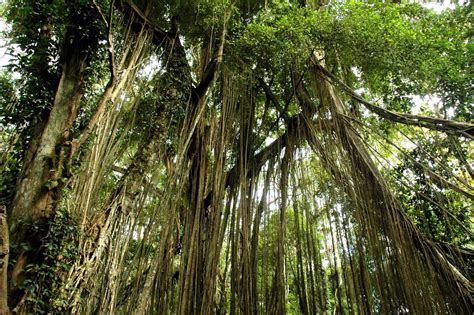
<point x="236" y="157"/>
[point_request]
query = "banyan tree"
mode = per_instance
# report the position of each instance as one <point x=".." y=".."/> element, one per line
<point x="236" y="157"/>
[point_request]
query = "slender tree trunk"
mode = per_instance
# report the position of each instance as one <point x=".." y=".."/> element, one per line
<point x="4" y="255"/>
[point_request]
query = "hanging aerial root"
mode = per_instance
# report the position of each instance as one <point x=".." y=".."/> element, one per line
<point x="422" y="269"/>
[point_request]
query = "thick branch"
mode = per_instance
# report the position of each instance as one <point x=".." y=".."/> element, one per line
<point x="139" y="21"/>
<point x="296" y="129"/>
<point x="77" y="143"/>
<point x="444" y="125"/>
<point x="212" y="67"/>
<point x="273" y="99"/>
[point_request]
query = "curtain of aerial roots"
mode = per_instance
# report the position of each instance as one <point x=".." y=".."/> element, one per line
<point x="181" y="277"/>
<point x="334" y="241"/>
<point x="229" y="233"/>
<point x="96" y="273"/>
<point x="380" y="262"/>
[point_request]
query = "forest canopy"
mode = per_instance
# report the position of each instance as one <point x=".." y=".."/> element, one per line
<point x="236" y="157"/>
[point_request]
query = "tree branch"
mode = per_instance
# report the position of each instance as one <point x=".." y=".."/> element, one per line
<point x="138" y="21"/>
<point x="444" y="125"/>
<point x="212" y="67"/>
<point x="296" y="129"/>
<point x="273" y="99"/>
<point x="77" y="143"/>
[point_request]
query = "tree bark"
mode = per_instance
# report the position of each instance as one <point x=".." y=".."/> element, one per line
<point x="37" y="190"/>
<point x="33" y="199"/>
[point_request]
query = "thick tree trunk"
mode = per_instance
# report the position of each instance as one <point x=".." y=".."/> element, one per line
<point x="34" y="194"/>
<point x="38" y="188"/>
